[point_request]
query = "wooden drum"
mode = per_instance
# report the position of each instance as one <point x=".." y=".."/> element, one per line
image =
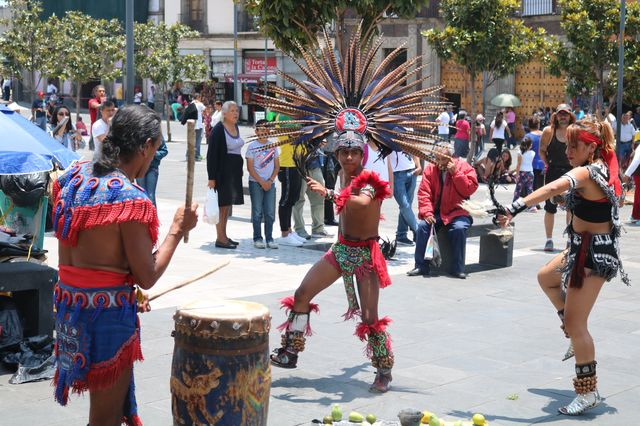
<point x="221" y="373"/>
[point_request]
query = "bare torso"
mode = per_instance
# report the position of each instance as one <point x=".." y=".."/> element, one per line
<point x="98" y="248"/>
<point x="360" y="222"/>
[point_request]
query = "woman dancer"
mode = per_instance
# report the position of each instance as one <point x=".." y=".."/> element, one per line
<point x="573" y="279"/>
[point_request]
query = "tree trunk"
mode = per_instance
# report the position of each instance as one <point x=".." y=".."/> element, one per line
<point x="340" y="37"/>
<point x="78" y="85"/>
<point x="472" y="115"/>
<point x="168" y="109"/>
<point x="32" y="85"/>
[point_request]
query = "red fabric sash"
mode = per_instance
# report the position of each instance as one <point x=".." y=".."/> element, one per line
<point x="92" y="278"/>
<point x="377" y="258"/>
<point x="577" y="274"/>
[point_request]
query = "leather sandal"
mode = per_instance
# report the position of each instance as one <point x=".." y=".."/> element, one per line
<point x="227" y="245"/>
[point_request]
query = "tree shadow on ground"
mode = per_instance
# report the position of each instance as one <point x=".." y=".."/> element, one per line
<point x="558" y="398"/>
<point x="342" y="388"/>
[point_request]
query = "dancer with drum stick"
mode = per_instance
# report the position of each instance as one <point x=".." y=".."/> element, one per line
<point x="107" y="228"/>
<point x="358" y="101"/>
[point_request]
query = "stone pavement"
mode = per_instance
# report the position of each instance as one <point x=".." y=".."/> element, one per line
<point x="488" y="344"/>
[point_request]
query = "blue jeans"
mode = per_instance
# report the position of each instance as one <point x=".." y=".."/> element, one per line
<point x="198" y="142"/>
<point x="42" y="122"/>
<point x="460" y="147"/>
<point x="149" y="183"/>
<point x="622" y="150"/>
<point x="457" y="234"/>
<point x="263" y="205"/>
<point x="404" y="188"/>
<point x="512" y="139"/>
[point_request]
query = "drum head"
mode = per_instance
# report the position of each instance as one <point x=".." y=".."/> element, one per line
<point x="222" y="309"/>
<point x="224" y="318"/>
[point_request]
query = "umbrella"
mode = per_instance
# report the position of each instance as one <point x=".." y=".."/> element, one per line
<point x="506" y="100"/>
<point x="25" y="148"/>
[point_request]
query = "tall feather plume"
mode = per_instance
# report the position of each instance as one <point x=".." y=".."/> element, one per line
<point x="398" y="113"/>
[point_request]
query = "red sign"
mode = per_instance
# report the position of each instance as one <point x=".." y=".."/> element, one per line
<point x="256" y="65"/>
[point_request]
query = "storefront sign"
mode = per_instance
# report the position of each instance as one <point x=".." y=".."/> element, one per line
<point x="256" y="65"/>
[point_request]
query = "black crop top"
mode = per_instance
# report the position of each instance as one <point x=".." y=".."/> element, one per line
<point x="592" y="211"/>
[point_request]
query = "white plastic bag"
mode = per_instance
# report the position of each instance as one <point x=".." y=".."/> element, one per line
<point x="432" y="252"/>
<point x="211" y="209"/>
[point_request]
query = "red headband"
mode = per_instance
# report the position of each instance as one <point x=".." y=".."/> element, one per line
<point x="608" y="155"/>
<point x="586" y="137"/>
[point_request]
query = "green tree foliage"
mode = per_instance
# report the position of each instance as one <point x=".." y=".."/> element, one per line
<point x="158" y="58"/>
<point x="484" y="36"/>
<point x="86" y="49"/>
<point x="27" y="44"/>
<point x="591" y="48"/>
<point x="288" y="22"/>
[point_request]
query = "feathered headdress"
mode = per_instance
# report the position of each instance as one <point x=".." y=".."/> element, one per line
<point x="355" y="95"/>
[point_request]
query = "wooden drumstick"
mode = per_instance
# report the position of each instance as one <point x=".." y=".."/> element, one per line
<point x="191" y="161"/>
<point x="184" y="283"/>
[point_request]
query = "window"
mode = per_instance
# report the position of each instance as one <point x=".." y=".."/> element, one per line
<point x="193" y="14"/>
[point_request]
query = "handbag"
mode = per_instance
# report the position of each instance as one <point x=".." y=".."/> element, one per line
<point x="211" y="209"/>
<point x="432" y="252"/>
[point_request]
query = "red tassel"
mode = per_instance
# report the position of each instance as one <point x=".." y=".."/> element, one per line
<point x="362" y="331"/>
<point x="87" y="217"/>
<point x="380" y="325"/>
<point x="286" y="303"/>
<point x="104" y="374"/>
<point x="132" y="421"/>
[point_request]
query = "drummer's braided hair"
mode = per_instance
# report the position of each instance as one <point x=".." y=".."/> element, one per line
<point x="130" y="128"/>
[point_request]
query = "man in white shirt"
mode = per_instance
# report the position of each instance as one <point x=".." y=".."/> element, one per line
<point x="624" y="143"/>
<point x="100" y="127"/>
<point x="443" y="124"/>
<point x="51" y="89"/>
<point x="199" y="124"/>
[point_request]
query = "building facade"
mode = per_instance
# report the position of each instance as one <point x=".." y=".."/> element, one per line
<point x="214" y="19"/>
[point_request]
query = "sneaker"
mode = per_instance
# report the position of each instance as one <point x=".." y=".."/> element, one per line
<point x="290" y="240"/>
<point x="259" y="244"/>
<point x="532" y="209"/>
<point x="404" y="241"/>
<point x="548" y="246"/>
<point x="304" y="237"/>
<point x="635" y="223"/>
<point x="321" y="234"/>
<point x="272" y="244"/>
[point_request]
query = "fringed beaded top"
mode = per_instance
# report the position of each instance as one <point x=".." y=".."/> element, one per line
<point x="82" y="201"/>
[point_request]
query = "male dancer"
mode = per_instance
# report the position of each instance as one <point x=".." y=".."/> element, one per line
<point x="553" y="144"/>
<point x="356" y="253"/>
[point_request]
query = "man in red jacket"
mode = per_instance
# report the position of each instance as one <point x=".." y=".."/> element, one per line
<point x="444" y="186"/>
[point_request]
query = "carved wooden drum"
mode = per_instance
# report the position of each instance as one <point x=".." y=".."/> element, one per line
<point x="221" y="373"/>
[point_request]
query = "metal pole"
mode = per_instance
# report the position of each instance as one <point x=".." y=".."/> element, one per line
<point x="235" y="52"/>
<point x="265" y="67"/>
<point x="623" y="17"/>
<point x="130" y="74"/>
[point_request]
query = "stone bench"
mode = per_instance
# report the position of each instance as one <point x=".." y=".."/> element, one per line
<point x="494" y="253"/>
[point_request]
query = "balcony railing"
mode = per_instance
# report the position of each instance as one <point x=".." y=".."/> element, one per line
<point x="538" y="7"/>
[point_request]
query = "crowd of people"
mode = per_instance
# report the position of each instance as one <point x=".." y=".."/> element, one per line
<point x="575" y="157"/>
